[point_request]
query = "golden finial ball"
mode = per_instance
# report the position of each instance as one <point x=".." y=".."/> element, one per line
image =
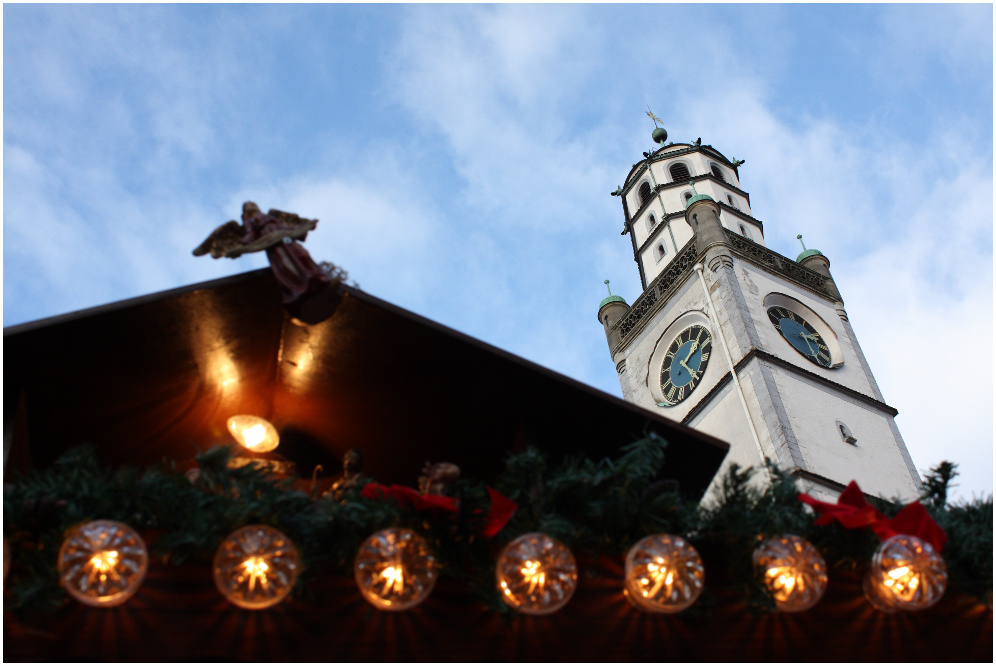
<point x="102" y="563"/>
<point x="256" y="566"/>
<point x="536" y="574"/>
<point x="395" y="569"/>
<point x="664" y="574"/>
<point x="906" y="574"/>
<point x="793" y="571"/>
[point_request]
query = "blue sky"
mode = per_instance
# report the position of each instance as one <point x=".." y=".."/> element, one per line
<point x="460" y="159"/>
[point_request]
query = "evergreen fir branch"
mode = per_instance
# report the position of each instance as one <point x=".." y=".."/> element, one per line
<point x="595" y="507"/>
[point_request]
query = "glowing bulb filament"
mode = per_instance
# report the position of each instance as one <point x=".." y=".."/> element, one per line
<point x="783" y="582"/>
<point x="256" y="569"/>
<point x="104" y="561"/>
<point x="533" y="575"/>
<point x="254" y="433"/>
<point x="102" y="565"/>
<point x="254" y="436"/>
<point x="898" y="573"/>
<point x="393" y="578"/>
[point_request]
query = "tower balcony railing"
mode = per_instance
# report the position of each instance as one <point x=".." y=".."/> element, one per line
<point x="776" y="263"/>
<point x="659" y="291"/>
<point x="667" y="283"/>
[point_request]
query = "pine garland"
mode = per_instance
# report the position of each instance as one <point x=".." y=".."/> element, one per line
<point x="596" y="508"/>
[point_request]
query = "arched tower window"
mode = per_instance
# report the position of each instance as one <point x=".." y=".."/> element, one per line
<point x="660" y="251"/>
<point x="651" y="222"/>
<point x="733" y="202"/>
<point x="679" y="173"/>
<point x="686" y="195"/>
<point x="716" y="171"/>
<point x="645" y="193"/>
<point x="743" y="231"/>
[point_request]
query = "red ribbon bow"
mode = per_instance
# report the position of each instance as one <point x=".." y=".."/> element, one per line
<point x="500" y="512"/>
<point x="852" y="511"/>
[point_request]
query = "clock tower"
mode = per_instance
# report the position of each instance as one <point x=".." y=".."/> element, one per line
<point x="738" y="341"/>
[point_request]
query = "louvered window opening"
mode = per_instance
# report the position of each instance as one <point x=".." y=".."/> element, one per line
<point x="645" y="193"/>
<point x="679" y="173"/>
<point x="716" y="171"/>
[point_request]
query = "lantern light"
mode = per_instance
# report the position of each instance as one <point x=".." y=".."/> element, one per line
<point x="906" y="574"/>
<point x="253" y="432"/>
<point x="255" y="567"/>
<point x="664" y="574"/>
<point x="793" y="571"/>
<point x="536" y="574"/>
<point x="102" y="563"/>
<point x="395" y="569"/>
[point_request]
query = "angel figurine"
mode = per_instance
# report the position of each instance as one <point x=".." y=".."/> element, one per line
<point x="279" y="234"/>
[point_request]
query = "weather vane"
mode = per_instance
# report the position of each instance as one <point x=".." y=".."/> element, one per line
<point x="657" y="121"/>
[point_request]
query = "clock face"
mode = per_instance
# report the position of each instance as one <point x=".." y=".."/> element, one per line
<point x="801" y="335"/>
<point x="685" y="363"/>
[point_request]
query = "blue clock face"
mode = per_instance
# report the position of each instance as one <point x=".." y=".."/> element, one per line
<point x="684" y="363"/>
<point x="801" y="335"/>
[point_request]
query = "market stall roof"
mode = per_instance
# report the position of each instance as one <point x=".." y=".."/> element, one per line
<point x="157" y="377"/>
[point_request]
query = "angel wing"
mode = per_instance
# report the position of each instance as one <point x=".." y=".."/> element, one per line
<point x="225" y="241"/>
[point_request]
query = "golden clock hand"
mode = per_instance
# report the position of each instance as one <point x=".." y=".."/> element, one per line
<point x="693" y="373"/>
<point x="695" y="345"/>
<point x="805" y="336"/>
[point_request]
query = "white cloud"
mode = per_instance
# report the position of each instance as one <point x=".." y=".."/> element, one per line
<point x="866" y="197"/>
<point x="484" y="204"/>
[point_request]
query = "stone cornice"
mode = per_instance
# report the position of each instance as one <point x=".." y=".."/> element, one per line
<point x="666" y="219"/>
<point x="706" y="176"/>
<point x="775" y="263"/>
<point x="782" y="363"/>
<point x="742" y="215"/>
<point x="658" y="292"/>
<point x="658" y="156"/>
<point x="685" y="183"/>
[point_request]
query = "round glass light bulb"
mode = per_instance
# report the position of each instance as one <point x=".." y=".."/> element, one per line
<point x="906" y="574"/>
<point x="793" y="571"/>
<point x="102" y="563"/>
<point x="664" y="574"/>
<point x="536" y="574"/>
<point x="395" y="569"/>
<point x="253" y="433"/>
<point x="255" y="567"/>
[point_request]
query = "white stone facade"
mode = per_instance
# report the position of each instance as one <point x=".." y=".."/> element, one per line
<point x="659" y="229"/>
<point x="797" y="407"/>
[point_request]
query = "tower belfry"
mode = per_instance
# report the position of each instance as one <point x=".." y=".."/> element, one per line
<point x="741" y="342"/>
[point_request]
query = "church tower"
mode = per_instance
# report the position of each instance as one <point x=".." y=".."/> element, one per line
<point x="740" y="342"/>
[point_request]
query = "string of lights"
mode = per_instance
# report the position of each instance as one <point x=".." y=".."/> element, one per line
<point x="76" y="527"/>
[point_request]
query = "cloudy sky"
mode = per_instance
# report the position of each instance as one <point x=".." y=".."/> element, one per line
<point x="460" y="159"/>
